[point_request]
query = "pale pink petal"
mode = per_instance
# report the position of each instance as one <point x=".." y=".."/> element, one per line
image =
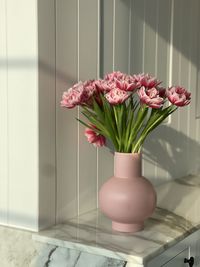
<point x="117" y="96"/>
<point x="150" y="97"/>
<point x="178" y="96"/>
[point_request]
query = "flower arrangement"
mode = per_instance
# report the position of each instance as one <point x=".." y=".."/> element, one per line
<point x="124" y="108"/>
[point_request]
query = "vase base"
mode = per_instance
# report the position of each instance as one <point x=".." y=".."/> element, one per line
<point x="127" y="227"/>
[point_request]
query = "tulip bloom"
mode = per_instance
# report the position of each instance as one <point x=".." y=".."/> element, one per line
<point x="151" y="97"/>
<point x="146" y="80"/>
<point x="127" y="124"/>
<point x="104" y="86"/>
<point x="116" y="75"/>
<point x="79" y="94"/>
<point x="74" y="96"/>
<point x="94" y="138"/>
<point x="178" y="96"/>
<point x="126" y="85"/>
<point x="117" y="96"/>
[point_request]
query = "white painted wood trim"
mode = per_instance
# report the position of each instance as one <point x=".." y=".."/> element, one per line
<point x="3" y="116"/>
<point x="47" y="113"/>
<point x="175" y="250"/>
<point x="22" y="53"/>
<point x="27" y="78"/>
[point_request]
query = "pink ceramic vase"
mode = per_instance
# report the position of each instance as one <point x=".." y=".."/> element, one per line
<point x="127" y="198"/>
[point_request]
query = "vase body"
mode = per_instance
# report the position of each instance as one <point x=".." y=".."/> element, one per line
<point x="127" y="198"/>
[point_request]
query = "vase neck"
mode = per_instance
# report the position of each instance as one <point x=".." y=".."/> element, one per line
<point x="127" y="165"/>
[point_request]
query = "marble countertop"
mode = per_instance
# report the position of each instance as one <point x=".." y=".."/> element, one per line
<point x="177" y="215"/>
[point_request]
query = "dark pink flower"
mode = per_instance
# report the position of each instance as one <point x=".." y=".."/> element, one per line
<point x="117" y="96"/>
<point x="81" y="93"/>
<point x="162" y="92"/>
<point x="178" y="96"/>
<point x="94" y="138"/>
<point x="118" y="80"/>
<point x="74" y="96"/>
<point x="116" y="75"/>
<point x="89" y="88"/>
<point x="104" y="86"/>
<point x="126" y="85"/>
<point x="146" y="80"/>
<point x="150" y="97"/>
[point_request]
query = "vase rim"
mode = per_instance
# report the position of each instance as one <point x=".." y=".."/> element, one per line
<point x="124" y="153"/>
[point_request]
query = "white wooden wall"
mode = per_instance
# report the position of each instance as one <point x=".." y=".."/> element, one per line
<point x="27" y="113"/>
<point x="48" y="170"/>
<point x="155" y="36"/>
<point x="77" y="50"/>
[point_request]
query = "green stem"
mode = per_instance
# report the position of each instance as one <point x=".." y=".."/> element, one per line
<point x="138" y="124"/>
<point x="152" y="125"/>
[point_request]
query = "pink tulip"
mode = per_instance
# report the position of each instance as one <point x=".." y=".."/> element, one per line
<point x="104" y="86"/>
<point x="162" y="91"/>
<point x="116" y="75"/>
<point x="79" y="94"/>
<point x="151" y="97"/>
<point x="178" y="96"/>
<point x="89" y="88"/>
<point x="146" y="80"/>
<point x="117" y="96"/>
<point x="126" y="85"/>
<point x="74" y="96"/>
<point x="94" y="138"/>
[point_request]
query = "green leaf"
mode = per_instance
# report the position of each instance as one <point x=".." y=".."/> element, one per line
<point x="157" y="118"/>
<point x="97" y="123"/>
<point x="141" y="114"/>
<point x="110" y="122"/>
<point x="98" y="111"/>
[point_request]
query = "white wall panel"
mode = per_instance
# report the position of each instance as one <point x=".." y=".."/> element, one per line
<point x="194" y="87"/>
<point x="193" y="68"/>
<point x="47" y="111"/>
<point x="66" y="125"/>
<point x="3" y="116"/>
<point x="178" y="139"/>
<point x="88" y="69"/>
<point x="163" y="10"/>
<point x="162" y="69"/>
<point x="27" y="139"/>
<point x="121" y="36"/>
<point x="150" y="66"/>
<point x="107" y="37"/>
<point x="77" y="52"/>
<point x="22" y="111"/>
<point x="107" y="51"/>
<point x="159" y="37"/>
<point x="136" y="36"/>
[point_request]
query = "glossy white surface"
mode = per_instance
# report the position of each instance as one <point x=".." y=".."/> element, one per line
<point x="176" y="216"/>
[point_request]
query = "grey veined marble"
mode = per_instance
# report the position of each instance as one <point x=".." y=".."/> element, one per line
<point x="61" y="257"/>
<point x="17" y="249"/>
<point x="174" y="219"/>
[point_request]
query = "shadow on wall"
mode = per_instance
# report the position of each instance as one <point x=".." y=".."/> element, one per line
<point x="183" y="14"/>
<point x="166" y="148"/>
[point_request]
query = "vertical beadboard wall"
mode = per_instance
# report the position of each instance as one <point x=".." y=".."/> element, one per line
<point x="134" y="36"/>
<point x="77" y="58"/>
<point x="3" y="116"/>
<point x="160" y="38"/>
<point x="89" y="38"/>
<point x="27" y="113"/>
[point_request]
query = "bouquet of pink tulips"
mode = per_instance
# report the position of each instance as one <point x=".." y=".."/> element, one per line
<point x="124" y="108"/>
